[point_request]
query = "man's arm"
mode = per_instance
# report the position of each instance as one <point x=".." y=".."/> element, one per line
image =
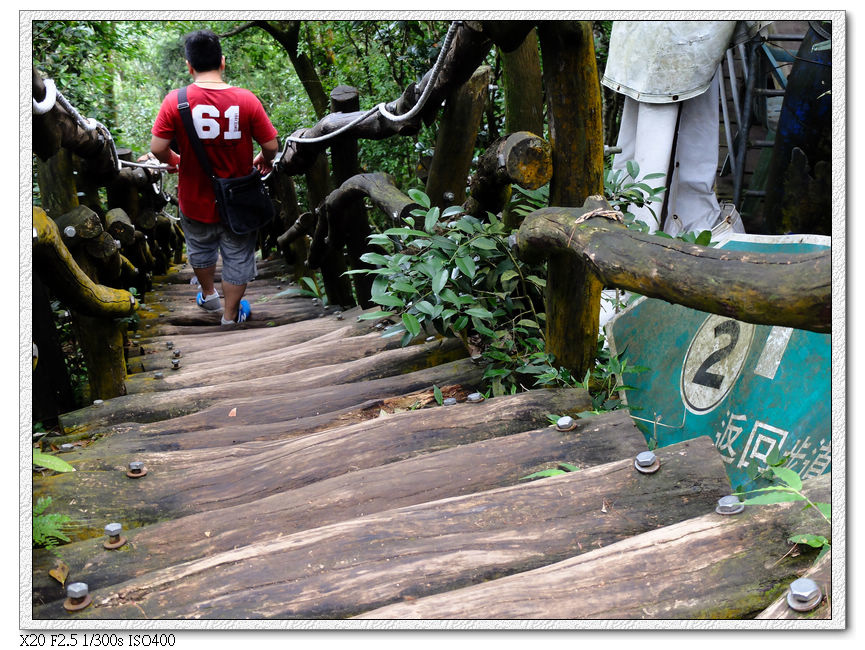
<point x="263" y="162"/>
<point x="161" y="148"/>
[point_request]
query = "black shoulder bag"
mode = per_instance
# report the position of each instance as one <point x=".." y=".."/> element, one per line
<point x="243" y="203"/>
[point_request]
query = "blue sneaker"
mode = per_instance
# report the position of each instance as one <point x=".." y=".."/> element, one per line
<point x="243" y="313"/>
<point x="211" y="303"/>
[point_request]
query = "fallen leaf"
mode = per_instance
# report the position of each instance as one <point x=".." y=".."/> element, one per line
<point x="232" y="412"/>
<point x="60" y="571"/>
<point x="207" y="533"/>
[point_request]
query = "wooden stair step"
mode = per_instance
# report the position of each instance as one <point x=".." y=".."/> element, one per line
<point x="708" y="567"/>
<point x="465" y="469"/>
<point x="359" y="564"/>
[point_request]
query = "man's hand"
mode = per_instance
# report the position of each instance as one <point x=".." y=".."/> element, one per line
<point x="263" y="165"/>
<point x="160" y="148"/>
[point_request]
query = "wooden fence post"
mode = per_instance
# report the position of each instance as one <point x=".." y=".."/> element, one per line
<point x="576" y="134"/>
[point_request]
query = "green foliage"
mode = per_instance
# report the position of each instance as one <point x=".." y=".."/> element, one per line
<point x="455" y="275"/>
<point x="49" y="530"/>
<point x="602" y="382"/>
<point x="786" y="487"/>
<point x="51" y="462"/>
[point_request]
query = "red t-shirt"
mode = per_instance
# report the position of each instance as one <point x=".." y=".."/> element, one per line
<point x="227" y="120"/>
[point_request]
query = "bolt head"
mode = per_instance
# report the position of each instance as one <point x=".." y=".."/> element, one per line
<point x="804" y="589"/>
<point x="136" y="466"/>
<point x="177" y="353"/>
<point x="175" y="364"/>
<point x="158" y="375"/>
<point x="646" y="458"/>
<point x="67" y="446"/>
<point x="77" y="590"/>
<point x="449" y="401"/>
<point x="565" y="422"/>
<point x="98" y="402"/>
<point x="475" y="397"/>
<point x="729" y="505"/>
<point x="169" y="344"/>
<point x="113" y="529"/>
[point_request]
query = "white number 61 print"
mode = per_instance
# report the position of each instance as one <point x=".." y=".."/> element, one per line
<point x="204" y="118"/>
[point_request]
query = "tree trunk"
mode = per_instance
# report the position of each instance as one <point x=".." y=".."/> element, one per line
<point x="51" y="392"/>
<point x="57" y="191"/>
<point x="576" y="136"/>
<point x="455" y="142"/>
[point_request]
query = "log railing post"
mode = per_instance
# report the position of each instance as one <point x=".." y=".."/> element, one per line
<point x="573" y="292"/>
<point x="354" y="221"/>
<point x="455" y="142"/>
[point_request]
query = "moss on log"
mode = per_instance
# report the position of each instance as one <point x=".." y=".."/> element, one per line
<point x="60" y="272"/>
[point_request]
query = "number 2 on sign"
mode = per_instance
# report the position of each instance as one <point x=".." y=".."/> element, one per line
<point x="713" y="362"/>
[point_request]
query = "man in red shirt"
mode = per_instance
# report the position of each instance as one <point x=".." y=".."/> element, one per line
<point x="227" y="120"/>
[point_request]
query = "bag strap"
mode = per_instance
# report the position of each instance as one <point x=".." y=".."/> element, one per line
<point x="194" y="140"/>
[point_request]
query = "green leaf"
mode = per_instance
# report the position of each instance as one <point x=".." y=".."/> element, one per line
<point x="439" y="281"/>
<point x="543" y="474"/>
<point x="388" y="299"/>
<point x="536" y="280"/>
<point x="525" y="322"/>
<point x="419" y="197"/>
<point x="508" y="275"/>
<point x="466" y="265"/>
<point x="479" y="312"/>
<point x="569" y="468"/>
<point x="704" y="238"/>
<point x="374" y="258"/>
<point x="811" y="540"/>
<point x="790" y="477"/>
<point x="484" y="243"/>
<point x="437" y="393"/>
<point x="411" y="324"/>
<point x="425" y="307"/>
<point x="51" y="462"/>
<point x="452" y="210"/>
<point x="775" y="496"/>
<point x="375" y="315"/>
<point x="431" y="219"/>
<point x="406" y="232"/>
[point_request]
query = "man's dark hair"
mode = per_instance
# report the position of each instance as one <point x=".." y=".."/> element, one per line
<point x="203" y="50"/>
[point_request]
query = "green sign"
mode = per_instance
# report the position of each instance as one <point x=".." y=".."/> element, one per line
<point x="760" y="392"/>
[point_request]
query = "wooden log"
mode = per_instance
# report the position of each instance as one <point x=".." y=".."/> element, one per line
<point x="353" y="228"/>
<point x="204" y="406"/>
<point x="101" y="342"/>
<point x="521" y="158"/>
<point x="180" y="483"/>
<point x="118" y="224"/>
<point x="60" y="272"/>
<point x="78" y="226"/>
<point x="352" y="566"/>
<point x="58" y="129"/>
<point x="455" y="140"/>
<point x="468" y="49"/>
<point x="769" y="289"/>
<point x="201" y="369"/>
<point x="523" y="87"/>
<point x="381" y="190"/>
<point x="709" y="567"/>
<point x="102" y="246"/>
<point x="821" y="573"/>
<point x="464" y="469"/>
<point x="570" y="75"/>
<point x="58" y="194"/>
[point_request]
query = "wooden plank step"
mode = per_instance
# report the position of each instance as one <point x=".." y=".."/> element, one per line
<point x="205" y="481"/>
<point x="466" y="469"/>
<point x="712" y="566"/>
<point x="359" y="564"/>
<point x="147" y="407"/>
<point x="207" y="368"/>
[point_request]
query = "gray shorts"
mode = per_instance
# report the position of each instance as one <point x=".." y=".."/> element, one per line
<point x="204" y="241"/>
